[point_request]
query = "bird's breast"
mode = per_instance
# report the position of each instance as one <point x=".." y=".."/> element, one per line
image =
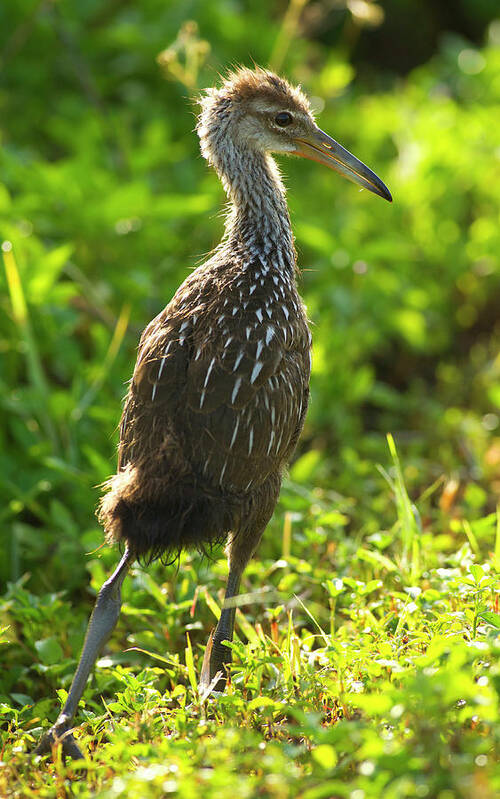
<point x="224" y="372"/>
<point x="247" y="384"/>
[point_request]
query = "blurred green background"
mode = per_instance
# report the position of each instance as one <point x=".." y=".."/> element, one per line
<point x="106" y="204"/>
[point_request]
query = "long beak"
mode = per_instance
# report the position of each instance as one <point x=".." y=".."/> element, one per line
<point x="319" y="147"/>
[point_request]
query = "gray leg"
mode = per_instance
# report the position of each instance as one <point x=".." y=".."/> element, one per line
<point x="218" y="656"/>
<point x="101" y="624"/>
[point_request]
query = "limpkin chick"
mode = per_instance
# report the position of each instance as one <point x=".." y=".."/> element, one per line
<point x="220" y="388"/>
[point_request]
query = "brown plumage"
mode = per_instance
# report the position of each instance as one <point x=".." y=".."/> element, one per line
<point x="221" y="384"/>
<point x="220" y="388"/>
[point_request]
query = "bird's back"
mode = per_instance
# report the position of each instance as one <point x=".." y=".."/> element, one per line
<point x="214" y="410"/>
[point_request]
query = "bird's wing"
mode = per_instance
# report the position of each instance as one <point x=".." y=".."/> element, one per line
<point x="151" y="410"/>
<point x="247" y="394"/>
<point x="225" y="394"/>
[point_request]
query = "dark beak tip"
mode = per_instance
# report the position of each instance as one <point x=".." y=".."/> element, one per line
<point x="385" y="193"/>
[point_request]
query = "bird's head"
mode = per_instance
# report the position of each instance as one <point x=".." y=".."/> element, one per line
<point x="257" y="110"/>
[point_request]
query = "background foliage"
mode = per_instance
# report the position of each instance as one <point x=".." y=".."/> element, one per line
<point x="105" y="206"/>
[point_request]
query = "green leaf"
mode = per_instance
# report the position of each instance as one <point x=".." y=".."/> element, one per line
<point x="376" y="558"/>
<point x="490" y="617"/>
<point x="45" y="273"/>
<point x="190" y="665"/>
<point x="332" y="518"/>
<point x="325" y="755"/>
<point x="49" y="650"/>
<point x="477" y="572"/>
<point x="262" y="702"/>
<point x="304" y="469"/>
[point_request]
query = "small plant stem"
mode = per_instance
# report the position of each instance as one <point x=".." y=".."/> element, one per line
<point x="287" y="34"/>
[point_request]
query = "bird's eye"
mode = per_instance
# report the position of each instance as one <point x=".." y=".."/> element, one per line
<point x="283" y="119"/>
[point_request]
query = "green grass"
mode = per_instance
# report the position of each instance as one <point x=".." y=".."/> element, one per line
<point x="359" y="671"/>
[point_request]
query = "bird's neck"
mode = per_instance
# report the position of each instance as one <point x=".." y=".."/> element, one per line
<point x="258" y="223"/>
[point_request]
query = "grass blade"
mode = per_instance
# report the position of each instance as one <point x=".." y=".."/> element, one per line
<point x="21" y="318"/>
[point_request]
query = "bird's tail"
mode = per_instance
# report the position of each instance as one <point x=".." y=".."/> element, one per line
<point x="158" y="521"/>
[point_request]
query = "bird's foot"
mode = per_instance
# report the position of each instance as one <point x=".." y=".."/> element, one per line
<point x="59" y="733"/>
<point x="214" y="669"/>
